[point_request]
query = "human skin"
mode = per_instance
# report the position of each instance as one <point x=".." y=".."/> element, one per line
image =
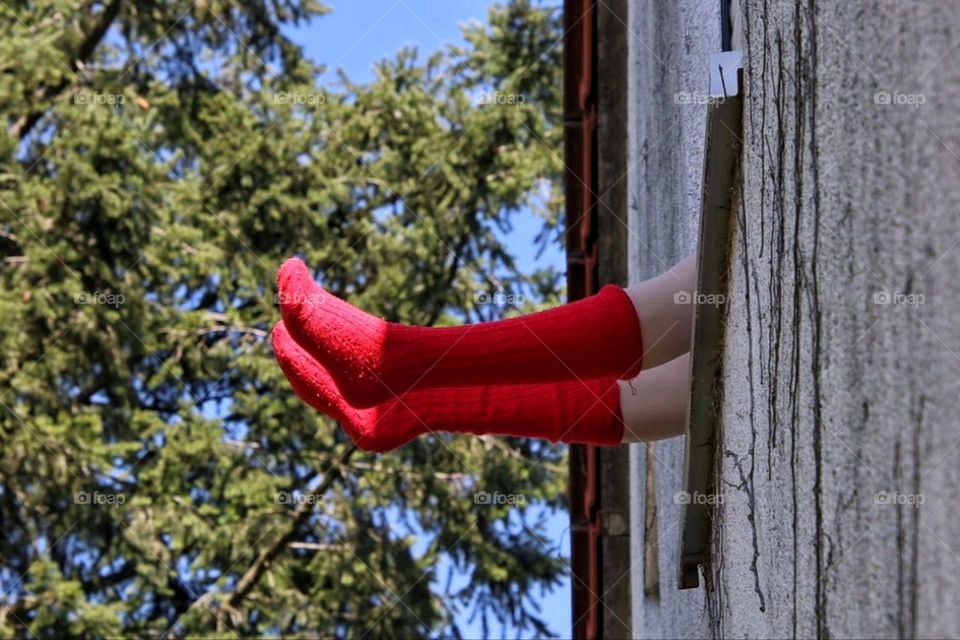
<point x="666" y="323"/>
<point x="654" y="404"/>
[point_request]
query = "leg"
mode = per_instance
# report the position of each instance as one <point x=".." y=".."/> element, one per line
<point x="666" y="315"/>
<point x="654" y="404"/>
<point x="585" y="411"/>
<point x="602" y="412"/>
<point x="373" y="361"/>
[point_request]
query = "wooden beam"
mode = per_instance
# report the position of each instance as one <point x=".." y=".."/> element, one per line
<point x="612" y="233"/>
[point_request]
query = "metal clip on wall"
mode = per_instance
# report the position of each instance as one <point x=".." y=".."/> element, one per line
<point x="724" y="124"/>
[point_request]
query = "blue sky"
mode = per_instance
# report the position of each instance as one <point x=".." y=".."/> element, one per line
<point x="353" y="37"/>
<point x="357" y="34"/>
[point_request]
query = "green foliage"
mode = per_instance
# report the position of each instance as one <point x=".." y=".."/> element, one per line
<point x="158" y="162"/>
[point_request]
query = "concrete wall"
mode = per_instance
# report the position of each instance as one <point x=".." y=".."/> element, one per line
<point x="669" y="46"/>
<point x="831" y="394"/>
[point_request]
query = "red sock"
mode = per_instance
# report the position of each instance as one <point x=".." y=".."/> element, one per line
<point x="574" y="412"/>
<point x="372" y="360"/>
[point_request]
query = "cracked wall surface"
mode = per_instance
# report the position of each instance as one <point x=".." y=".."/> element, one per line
<point x="841" y="386"/>
<point x="669" y="46"/>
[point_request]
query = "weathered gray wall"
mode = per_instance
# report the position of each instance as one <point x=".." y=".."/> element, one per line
<point x="830" y="395"/>
<point x="669" y="46"/>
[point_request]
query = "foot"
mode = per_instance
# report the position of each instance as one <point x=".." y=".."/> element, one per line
<point x="315" y="387"/>
<point x="344" y="339"/>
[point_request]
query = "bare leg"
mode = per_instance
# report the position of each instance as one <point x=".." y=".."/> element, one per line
<point x="664" y="305"/>
<point x="654" y="404"/>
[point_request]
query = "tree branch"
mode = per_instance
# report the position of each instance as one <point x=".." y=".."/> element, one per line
<point x="256" y="570"/>
<point x="25" y="123"/>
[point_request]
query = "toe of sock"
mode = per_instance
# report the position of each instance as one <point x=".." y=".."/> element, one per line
<point x="293" y="281"/>
<point x="282" y="342"/>
<point x="292" y="269"/>
<point x="298" y="294"/>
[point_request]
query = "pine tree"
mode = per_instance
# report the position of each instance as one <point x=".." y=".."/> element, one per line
<point x="158" y="162"/>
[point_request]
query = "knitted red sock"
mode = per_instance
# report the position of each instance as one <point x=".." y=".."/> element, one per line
<point x="574" y="412"/>
<point x="372" y="360"/>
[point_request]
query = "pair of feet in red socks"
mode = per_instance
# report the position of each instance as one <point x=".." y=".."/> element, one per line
<point x="552" y="374"/>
